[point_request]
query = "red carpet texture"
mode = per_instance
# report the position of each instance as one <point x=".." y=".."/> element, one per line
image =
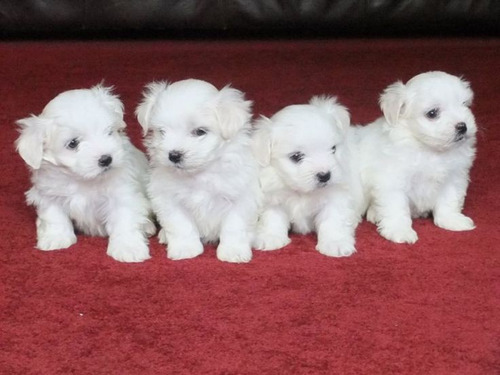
<point x="428" y="308"/>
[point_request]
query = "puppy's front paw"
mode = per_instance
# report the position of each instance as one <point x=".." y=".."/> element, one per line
<point x="455" y="222"/>
<point x="336" y="248"/>
<point x="55" y="240"/>
<point x="270" y="241"/>
<point x="234" y="253"/>
<point x="129" y="249"/>
<point x="399" y="235"/>
<point x="182" y="248"/>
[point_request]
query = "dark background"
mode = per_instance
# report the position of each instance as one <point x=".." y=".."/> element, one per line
<point x="241" y="18"/>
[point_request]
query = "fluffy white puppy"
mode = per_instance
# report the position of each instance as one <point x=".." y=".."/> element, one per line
<point x="86" y="174"/>
<point x="415" y="161"/>
<point x="308" y="179"/>
<point x="204" y="182"/>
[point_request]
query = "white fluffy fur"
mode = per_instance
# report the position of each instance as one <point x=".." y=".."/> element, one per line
<point x="293" y="194"/>
<point x="211" y="192"/>
<point x="413" y="165"/>
<point x="71" y="190"/>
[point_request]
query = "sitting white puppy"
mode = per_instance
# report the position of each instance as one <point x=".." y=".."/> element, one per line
<point x="86" y="174"/>
<point x="204" y="180"/>
<point x="415" y="161"/>
<point x="308" y="178"/>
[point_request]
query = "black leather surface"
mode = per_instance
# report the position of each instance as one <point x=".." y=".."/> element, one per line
<point x="240" y="17"/>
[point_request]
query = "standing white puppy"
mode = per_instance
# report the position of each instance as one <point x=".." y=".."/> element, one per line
<point x="204" y="184"/>
<point x="308" y="177"/>
<point x="415" y="161"/>
<point x="86" y="174"/>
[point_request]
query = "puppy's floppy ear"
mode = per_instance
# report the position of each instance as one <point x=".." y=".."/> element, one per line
<point x="110" y="100"/>
<point x="467" y="88"/>
<point x="233" y="112"/>
<point x="145" y="107"/>
<point x="30" y="143"/>
<point x="261" y="141"/>
<point x="331" y="106"/>
<point x="393" y="102"/>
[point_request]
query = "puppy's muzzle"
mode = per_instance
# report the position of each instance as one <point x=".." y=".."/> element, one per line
<point x="323" y="177"/>
<point x="105" y="161"/>
<point x="175" y="156"/>
<point x="460" y="130"/>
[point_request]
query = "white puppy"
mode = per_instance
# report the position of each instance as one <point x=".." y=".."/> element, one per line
<point x="307" y="177"/>
<point x="86" y="174"/>
<point x="204" y="183"/>
<point x="415" y="161"/>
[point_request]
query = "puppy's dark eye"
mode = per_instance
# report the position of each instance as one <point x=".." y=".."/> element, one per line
<point x="334" y="149"/>
<point x="198" y="132"/>
<point x="296" y="157"/>
<point x="73" y="144"/>
<point x="432" y="114"/>
<point x="110" y="132"/>
<point x="161" y="131"/>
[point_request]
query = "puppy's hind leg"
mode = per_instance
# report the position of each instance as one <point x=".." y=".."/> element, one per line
<point x="54" y="228"/>
<point x="371" y="214"/>
<point x="162" y="237"/>
<point x="149" y="228"/>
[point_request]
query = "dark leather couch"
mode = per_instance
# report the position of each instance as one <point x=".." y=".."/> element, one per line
<point x="80" y="18"/>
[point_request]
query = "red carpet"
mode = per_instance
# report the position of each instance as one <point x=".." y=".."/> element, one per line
<point x="430" y="308"/>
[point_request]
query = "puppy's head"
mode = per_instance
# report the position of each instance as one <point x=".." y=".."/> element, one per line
<point x="78" y="131"/>
<point x="188" y="122"/>
<point x="434" y="107"/>
<point x="304" y="143"/>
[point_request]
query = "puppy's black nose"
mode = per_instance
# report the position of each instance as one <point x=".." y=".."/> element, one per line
<point x="175" y="156"/>
<point x="105" y="160"/>
<point x="461" y="128"/>
<point x="323" y="177"/>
